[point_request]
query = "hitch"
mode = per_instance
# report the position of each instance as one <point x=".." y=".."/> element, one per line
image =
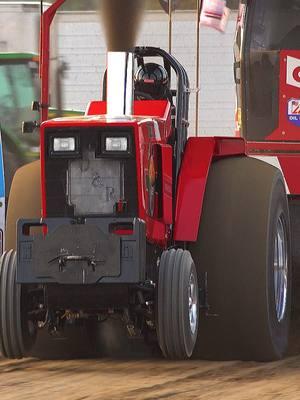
<point x="65" y="258"/>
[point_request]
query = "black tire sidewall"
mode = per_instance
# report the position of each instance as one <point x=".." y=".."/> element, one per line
<point x="175" y="337"/>
<point x="279" y="207"/>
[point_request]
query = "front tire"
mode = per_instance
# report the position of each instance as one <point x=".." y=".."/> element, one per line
<point x="17" y="332"/>
<point x="177" y="304"/>
<point x="244" y="248"/>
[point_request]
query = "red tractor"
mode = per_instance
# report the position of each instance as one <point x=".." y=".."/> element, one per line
<point x="186" y="240"/>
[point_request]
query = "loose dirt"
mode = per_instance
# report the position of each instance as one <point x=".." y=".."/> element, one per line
<point x="151" y="378"/>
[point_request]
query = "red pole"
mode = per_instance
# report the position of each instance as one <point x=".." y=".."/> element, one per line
<point x="199" y="8"/>
<point x="46" y="21"/>
<point x="170" y="25"/>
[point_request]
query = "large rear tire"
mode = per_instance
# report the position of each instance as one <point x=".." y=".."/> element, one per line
<point x="177" y="304"/>
<point x="24" y="199"/>
<point x="244" y="248"/>
<point x="12" y="161"/>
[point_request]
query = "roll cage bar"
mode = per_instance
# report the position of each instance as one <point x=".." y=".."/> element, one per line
<point x="182" y="94"/>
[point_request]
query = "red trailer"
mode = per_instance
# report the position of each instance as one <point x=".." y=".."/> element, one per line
<point x="186" y="240"/>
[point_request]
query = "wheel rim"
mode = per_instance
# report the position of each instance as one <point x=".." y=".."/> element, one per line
<point x="193" y="304"/>
<point x="280" y="269"/>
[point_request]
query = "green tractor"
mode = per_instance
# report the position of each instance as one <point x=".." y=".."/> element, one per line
<point x="20" y="86"/>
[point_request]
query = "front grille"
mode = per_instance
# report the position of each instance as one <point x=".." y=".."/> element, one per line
<point x="95" y="185"/>
<point x="89" y="184"/>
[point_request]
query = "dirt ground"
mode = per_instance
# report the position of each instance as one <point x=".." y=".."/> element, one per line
<point x="151" y="377"/>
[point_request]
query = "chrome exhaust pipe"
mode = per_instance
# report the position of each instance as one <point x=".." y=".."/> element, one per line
<point x="120" y="88"/>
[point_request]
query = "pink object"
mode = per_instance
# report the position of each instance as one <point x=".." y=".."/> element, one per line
<point x="215" y="14"/>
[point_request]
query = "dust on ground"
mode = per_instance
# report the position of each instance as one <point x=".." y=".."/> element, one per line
<point x="151" y="378"/>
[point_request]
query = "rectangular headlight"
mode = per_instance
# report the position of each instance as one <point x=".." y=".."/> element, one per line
<point x="116" y="144"/>
<point x="64" y="144"/>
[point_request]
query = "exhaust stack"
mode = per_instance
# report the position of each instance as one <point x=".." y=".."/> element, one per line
<point x="120" y="91"/>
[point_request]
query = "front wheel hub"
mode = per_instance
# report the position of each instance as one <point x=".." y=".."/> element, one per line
<point x="193" y="303"/>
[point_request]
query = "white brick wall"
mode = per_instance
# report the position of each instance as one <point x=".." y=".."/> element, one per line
<point x="13" y="19"/>
<point x="81" y="44"/>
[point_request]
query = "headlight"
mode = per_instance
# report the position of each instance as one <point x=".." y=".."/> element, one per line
<point x="64" y="144"/>
<point x="116" y="144"/>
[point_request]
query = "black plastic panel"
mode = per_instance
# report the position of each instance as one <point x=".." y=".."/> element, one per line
<point x="85" y="253"/>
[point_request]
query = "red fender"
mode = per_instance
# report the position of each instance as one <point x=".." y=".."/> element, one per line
<point x="198" y="156"/>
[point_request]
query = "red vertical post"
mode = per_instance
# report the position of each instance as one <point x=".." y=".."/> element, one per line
<point x="46" y="21"/>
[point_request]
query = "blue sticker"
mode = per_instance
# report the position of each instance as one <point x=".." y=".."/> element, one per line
<point x="294" y="111"/>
